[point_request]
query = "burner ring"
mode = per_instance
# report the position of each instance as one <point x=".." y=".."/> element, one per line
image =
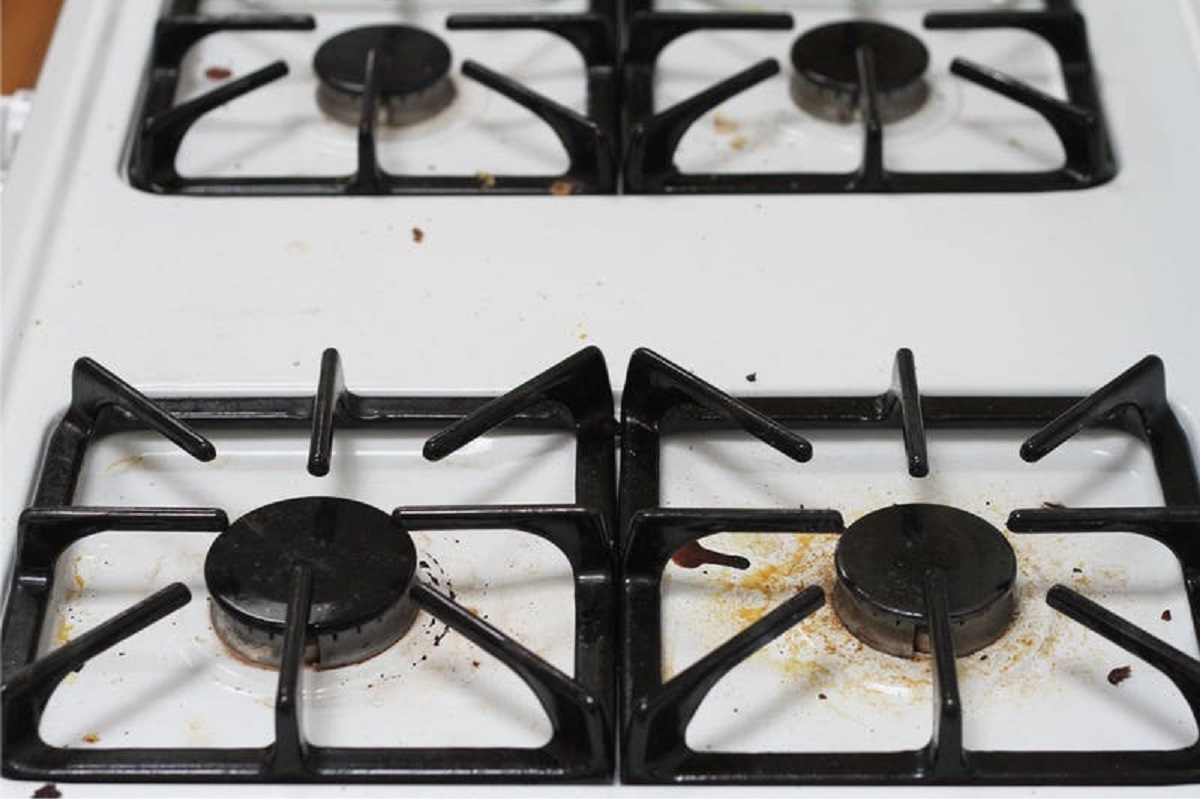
<point x="412" y="66"/>
<point x="362" y="565"/>
<point x="826" y="80"/>
<point x="881" y="563"/>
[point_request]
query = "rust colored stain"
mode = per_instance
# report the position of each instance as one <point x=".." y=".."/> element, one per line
<point x="91" y="738"/>
<point x="218" y="73"/>
<point x="418" y="235"/>
<point x="562" y="188"/>
<point x="695" y="555"/>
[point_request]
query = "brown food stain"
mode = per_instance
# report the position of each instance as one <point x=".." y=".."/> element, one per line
<point x="693" y="555"/>
<point x="47" y="791"/>
<point x="418" y="235"/>
<point x="1119" y="675"/>
<point x="739" y="142"/>
<point x="486" y="179"/>
<point x="1166" y="615"/>
<point x="562" y="188"/>
<point x="62" y="634"/>
<point x="725" y="126"/>
<point x="218" y="73"/>
<point x="91" y="738"/>
<point x="125" y="464"/>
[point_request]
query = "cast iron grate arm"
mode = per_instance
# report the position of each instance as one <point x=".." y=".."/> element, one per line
<point x="581" y="534"/>
<point x="655" y="734"/>
<point x="289" y="753"/>
<point x="1177" y="528"/>
<point x="580" y="385"/>
<point x="590" y="156"/>
<point x="654" y="387"/>
<point x="95" y="394"/>
<point x="1135" y="401"/>
<point x="26" y="690"/>
<point x="593" y="34"/>
<point x="1182" y="670"/>
<point x="581" y="730"/>
<point x="647" y="33"/>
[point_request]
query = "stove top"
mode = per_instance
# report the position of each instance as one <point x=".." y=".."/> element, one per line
<point x="780" y="313"/>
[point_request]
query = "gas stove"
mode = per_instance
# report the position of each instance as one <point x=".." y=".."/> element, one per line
<point x="758" y="552"/>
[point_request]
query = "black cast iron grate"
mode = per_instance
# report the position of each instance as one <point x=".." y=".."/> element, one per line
<point x="652" y="137"/>
<point x="661" y="398"/>
<point x="573" y="396"/>
<point x="161" y="125"/>
<point x="622" y="143"/>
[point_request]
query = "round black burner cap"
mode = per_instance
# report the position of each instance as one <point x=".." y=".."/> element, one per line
<point x="882" y="560"/>
<point x="410" y="60"/>
<point x="826" y="81"/>
<point x="362" y="567"/>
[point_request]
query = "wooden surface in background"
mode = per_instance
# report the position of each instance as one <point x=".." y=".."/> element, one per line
<point x="26" y="27"/>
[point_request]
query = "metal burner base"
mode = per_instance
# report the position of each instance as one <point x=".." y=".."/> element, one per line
<point x="882" y="560"/>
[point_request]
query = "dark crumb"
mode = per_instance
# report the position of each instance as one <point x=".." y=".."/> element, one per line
<point x="47" y="791"/>
<point x="475" y="663"/>
<point x="735" y="710"/>
<point x="822" y="697"/>
<point x="418" y="235"/>
<point x="1166" y="615"/>
<point x="1077" y="570"/>
<point x="1119" y="675"/>
<point x="218" y="73"/>
<point x="983" y="657"/>
<point x="752" y="377"/>
<point x="1054" y="506"/>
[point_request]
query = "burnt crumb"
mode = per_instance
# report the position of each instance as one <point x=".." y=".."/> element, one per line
<point x="424" y="658"/>
<point x="47" y="791"/>
<point x="1077" y="570"/>
<point x="1166" y="615"/>
<point x="423" y="564"/>
<point x="475" y="663"/>
<point x="752" y="377"/>
<point x="983" y="657"/>
<point x="418" y="235"/>
<point x="822" y="697"/>
<point x="1119" y="675"/>
<point x="1053" y="506"/>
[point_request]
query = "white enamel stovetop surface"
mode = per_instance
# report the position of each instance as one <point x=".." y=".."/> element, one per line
<point x="1053" y="293"/>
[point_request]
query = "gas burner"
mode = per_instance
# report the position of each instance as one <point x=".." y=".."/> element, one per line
<point x="826" y="82"/>
<point x="413" y="69"/>
<point x="362" y="566"/>
<point x="882" y="561"/>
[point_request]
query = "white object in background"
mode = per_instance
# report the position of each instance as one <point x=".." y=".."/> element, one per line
<point x="14" y="110"/>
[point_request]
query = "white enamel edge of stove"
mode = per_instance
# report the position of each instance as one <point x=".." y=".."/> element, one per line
<point x="37" y="175"/>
